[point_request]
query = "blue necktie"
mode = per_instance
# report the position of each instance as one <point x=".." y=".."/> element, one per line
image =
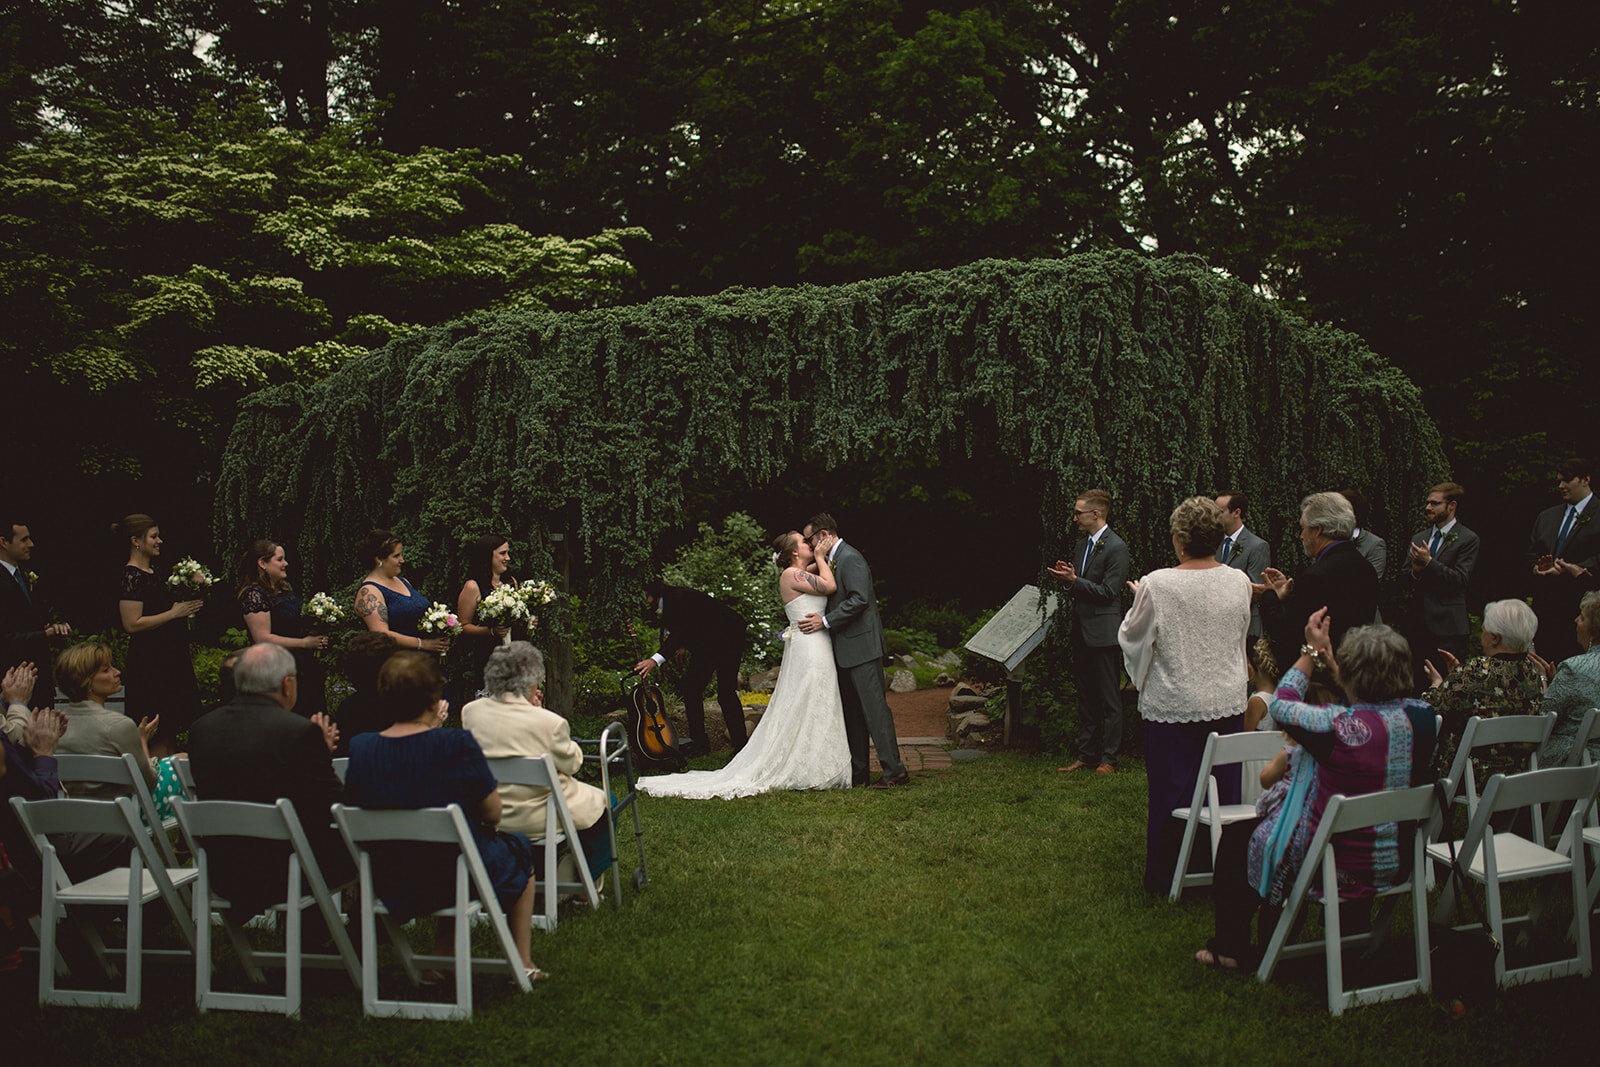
<point x="1087" y="549"/>
<point x="1227" y="548"/>
<point x="1566" y="528"/>
<point x="22" y="580"/>
<point x="1433" y="543"/>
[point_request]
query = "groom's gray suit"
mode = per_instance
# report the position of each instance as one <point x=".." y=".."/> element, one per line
<point x="852" y="622"/>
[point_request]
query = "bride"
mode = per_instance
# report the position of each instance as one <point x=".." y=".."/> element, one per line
<point x="800" y="741"/>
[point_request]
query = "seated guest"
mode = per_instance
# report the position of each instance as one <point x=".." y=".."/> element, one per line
<point x="256" y="748"/>
<point x="415" y="764"/>
<point x="511" y="723"/>
<point x="1502" y="681"/>
<point x="86" y="674"/>
<point x="1380" y="741"/>
<point x="16" y="689"/>
<point x="28" y="770"/>
<point x="1574" y="687"/>
<point x="362" y="712"/>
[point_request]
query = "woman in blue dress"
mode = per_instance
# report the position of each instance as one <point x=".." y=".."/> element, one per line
<point x="271" y="607"/>
<point x="417" y="764"/>
<point x="386" y="603"/>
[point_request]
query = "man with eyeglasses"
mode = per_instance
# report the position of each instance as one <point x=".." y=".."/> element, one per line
<point x="1442" y="556"/>
<point x="1564" y="554"/>
<point x="1094" y="578"/>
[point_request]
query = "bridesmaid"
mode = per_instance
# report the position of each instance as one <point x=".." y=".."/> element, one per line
<point x="271" y="608"/>
<point x="386" y="603"/>
<point x="159" y="678"/>
<point x="487" y="560"/>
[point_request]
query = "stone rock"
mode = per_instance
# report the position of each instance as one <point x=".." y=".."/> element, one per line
<point x="752" y="715"/>
<point x="903" y="682"/>
<point x="948" y="659"/>
<point x="966" y="689"/>
<point x="764" y="681"/>
<point x="966" y="701"/>
<point x="943" y="680"/>
<point x="907" y="661"/>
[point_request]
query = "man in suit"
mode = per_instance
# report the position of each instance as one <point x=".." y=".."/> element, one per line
<point x="1442" y="555"/>
<point x="1094" y="579"/>
<point x="1564" y="554"/>
<point x="255" y="748"/>
<point x="1339" y="579"/>
<point x="1242" y="549"/>
<point x="25" y="626"/>
<point x="712" y="636"/>
<point x="851" y="619"/>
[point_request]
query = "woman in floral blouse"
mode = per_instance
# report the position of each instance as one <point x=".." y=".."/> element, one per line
<point x="1502" y="681"/>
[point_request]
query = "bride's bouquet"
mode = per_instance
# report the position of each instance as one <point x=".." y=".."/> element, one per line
<point x="190" y="580"/>
<point x="440" y="621"/>
<point x="324" y="610"/>
<point x="504" y="606"/>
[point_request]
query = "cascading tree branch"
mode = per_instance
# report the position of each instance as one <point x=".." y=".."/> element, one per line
<point x="1153" y="378"/>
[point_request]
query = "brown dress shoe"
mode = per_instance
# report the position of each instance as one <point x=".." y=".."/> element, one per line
<point x="1075" y="765"/>
<point x="1105" y="768"/>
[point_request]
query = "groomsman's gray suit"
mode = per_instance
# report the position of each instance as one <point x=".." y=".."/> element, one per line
<point x="858" y="649"/>
<point x="1251" y="554"/>
<point x="1096" y="656"/>
<point x="1443" y="584"/>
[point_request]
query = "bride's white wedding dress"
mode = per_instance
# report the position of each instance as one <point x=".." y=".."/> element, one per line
<point x="799" y="742"/>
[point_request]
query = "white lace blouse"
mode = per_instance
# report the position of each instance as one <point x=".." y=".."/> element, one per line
<point x="1183" y="643"/>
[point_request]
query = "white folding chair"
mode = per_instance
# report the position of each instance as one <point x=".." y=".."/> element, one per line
<point x="1344" y="814"/>
<point x="305" y="888"/>
<point x="1495" y="859"/>
<point x="1480" y="733"/>
<point x="1206" y="808"/>
<point x="540" y="773"/>
<point x="121" y="771"/>
<point x="446" y="826"/>
<point x="143" y="880"/>
<point x="341" y="766"/>
<point x="185" y="776"/>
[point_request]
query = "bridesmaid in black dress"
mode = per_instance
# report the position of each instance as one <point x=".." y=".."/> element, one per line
<point x="271" y="608"/>
<point x="487" y="560"/>
<point x="159" y="677"/>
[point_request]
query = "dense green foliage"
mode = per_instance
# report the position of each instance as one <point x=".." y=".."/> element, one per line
<point x="1149" y="377"/>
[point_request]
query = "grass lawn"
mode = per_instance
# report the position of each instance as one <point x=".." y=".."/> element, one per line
<point x="989" y="914"/>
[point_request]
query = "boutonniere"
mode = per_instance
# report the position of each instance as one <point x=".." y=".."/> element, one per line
<point x="1449" y="539"/>
<point x="1583" y="517"/>
<point x="33" y="579"/>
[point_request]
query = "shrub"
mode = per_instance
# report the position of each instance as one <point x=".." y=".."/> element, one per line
<point x="735" y="567"/>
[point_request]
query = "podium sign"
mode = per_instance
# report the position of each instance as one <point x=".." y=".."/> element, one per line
<point x="1016" y="629"/>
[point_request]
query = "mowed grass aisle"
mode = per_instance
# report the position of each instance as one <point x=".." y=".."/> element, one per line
<point x="989" y="914"/>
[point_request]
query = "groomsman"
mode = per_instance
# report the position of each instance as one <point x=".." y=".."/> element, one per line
<point x="1095" y="578"/>
<point x="712" y="635"/>
<point x="25" y="626"/>
<point x="1442" y="556"/>
<point x="1242" y="549"/>
<point x="1564" y="554"/>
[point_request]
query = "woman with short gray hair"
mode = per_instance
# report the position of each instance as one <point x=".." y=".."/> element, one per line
<point x="1502" y="681"/>
<point x="510" y="722"/>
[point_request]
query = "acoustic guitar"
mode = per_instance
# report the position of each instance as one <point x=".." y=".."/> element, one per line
<point x="651" y="737"/>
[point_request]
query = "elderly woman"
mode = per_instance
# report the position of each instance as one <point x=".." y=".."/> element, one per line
<point x="87" y="675"/>
<point x="1575" y="688"/>
<point x="1183" y="645"/>
<point x="511" y="723"/>
<point x="415" y="764"/>
<point x="1380" y="741"/>
<point x="1502" y="681"/>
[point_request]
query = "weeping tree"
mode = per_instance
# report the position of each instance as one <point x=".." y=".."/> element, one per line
<point x="1153" y="378"/>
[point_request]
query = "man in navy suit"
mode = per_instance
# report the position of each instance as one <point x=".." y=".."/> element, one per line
<point x="1442" y="555"/>
<point x="25" y="626"/>
<point x="1094" y="578"/>
<point x="1243" y="550"/>
<point x="1339" y="579"/>
<point x="1564" y="554"/>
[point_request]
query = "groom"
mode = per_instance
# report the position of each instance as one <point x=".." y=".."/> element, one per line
<point x="852" y="622"/>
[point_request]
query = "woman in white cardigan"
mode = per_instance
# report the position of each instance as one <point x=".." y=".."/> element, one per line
<point x="1183" y="645"/>
<point x="512" y="723"/>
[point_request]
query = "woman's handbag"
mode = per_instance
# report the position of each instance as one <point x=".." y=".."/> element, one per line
<point x="1462" y="961"/>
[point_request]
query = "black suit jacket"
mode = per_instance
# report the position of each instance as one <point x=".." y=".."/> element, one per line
<point x="1340" y="580"/>
<point x="254" y="749"/>
<point x="1555" y="597"/>
<point x="1444" y="580"/>
<point x="695" y="621"/>
<point x="22" y="636"/>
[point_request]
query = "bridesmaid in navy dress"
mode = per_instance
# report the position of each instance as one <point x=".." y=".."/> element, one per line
<point x="386" y="603"/>
<point x="159" y="677"/>
<point x="271" y="608"/>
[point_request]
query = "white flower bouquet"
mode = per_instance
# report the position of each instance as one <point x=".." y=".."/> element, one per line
<point x="324" y="610"/>
<point x="439" y="621"/>
<point x="190" y="580"/>
<point x="535" y="594"/>
<point x="504" y="606"/>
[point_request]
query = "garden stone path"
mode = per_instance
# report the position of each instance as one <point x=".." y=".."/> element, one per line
<point x="920" y="718"/>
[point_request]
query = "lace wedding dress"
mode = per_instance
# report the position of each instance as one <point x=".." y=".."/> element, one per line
<point x="799" y="742"/>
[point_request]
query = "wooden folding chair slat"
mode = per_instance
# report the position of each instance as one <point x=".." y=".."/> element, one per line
<point x="1206" y="809"/>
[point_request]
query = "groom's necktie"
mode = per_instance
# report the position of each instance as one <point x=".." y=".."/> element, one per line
<point x="1561" y="538"/>
<point x="1227" y="548"/>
